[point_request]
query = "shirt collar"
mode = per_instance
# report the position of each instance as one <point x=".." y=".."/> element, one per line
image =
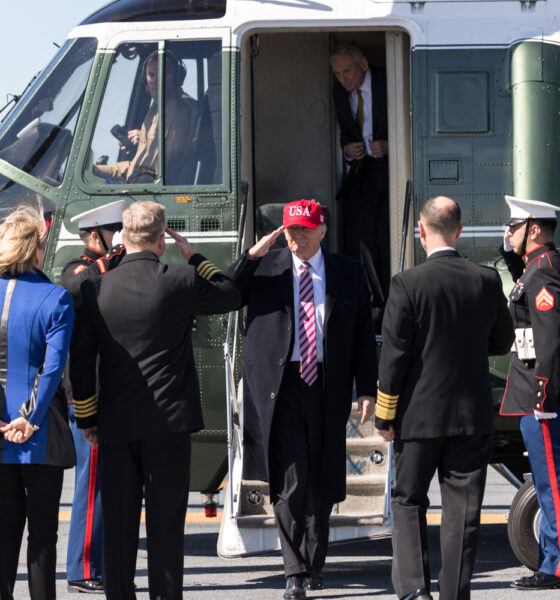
<point x="442" y="249"/>
<point x="365" y="88"/>
<point x="316" y="261"/>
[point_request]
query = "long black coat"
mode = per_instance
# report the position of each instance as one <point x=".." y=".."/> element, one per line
<point x="443" y="318"/>
<point x="349" y="350"/>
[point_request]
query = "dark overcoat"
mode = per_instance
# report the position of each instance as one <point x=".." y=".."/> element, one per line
<point x="349" y="355"/>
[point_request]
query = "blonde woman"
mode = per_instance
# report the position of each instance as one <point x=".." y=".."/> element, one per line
<point x="35" y="443"/>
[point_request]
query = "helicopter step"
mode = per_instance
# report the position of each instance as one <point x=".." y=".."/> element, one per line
<point x="248" y="524"/>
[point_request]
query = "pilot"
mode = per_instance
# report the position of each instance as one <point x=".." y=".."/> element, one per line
<point x="179" y="125"/>
<point x="533" y="385"/>
<point x="84" y="557"/>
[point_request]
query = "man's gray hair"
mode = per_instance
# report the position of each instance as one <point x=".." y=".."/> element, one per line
<point x="143" y="223"/>
<point x="350" y="48"/>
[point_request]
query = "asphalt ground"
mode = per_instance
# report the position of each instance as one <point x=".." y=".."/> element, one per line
<point x="357" y="570"/>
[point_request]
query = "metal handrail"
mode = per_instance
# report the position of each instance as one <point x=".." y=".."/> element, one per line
<point x="233" y="322"/>
<point x="408" y="202"/>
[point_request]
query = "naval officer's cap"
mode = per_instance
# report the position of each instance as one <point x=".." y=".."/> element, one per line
<point x="108" y="216"/>
<point x="522" y="210"/>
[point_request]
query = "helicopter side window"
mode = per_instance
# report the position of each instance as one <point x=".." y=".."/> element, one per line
<point x="130" y="113"/>
<point x="38" y="138"/>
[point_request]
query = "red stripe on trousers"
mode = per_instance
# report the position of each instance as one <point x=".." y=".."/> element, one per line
<point x="553" y="480"/>
<point x="90" y="511"/>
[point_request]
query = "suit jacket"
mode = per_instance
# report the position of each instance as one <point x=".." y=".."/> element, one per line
<point x="349" y="355"/>
<point x="139" y="318"/>
<point x="349" y="130"/>
<point x="535" y="303"/>
<point x="442" y="320"/>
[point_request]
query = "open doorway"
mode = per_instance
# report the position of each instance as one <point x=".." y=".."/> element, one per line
<point x="289" y="123"/>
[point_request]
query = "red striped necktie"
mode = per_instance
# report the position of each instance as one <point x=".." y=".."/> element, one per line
<point x="307" y="339"/>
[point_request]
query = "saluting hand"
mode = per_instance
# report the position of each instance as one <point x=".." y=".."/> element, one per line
<point x="264" y="244"/>
<point x="182" y="243"/>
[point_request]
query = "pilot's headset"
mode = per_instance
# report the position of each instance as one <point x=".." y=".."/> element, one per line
<point x="171" y="61"/>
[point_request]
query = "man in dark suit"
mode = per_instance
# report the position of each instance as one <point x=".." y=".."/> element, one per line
<point x="443" y="318"/>
<point x="360" y="98"/>
<point x="309" y="336"/>
<point x="139" y="319"/>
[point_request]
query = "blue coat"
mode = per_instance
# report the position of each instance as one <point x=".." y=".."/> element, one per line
<point x="39" y="328"/>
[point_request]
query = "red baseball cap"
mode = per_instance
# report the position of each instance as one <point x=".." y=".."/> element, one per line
<point x="303" y="212"/>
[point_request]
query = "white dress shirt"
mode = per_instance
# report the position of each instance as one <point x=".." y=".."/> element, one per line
<point x="441" y="249"/>
<point x="367" y="129"/>
<point x="317" y="272"/>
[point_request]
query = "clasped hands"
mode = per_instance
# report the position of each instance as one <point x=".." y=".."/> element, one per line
<point x="357" y="150"/>
<point x="17" y="431"/>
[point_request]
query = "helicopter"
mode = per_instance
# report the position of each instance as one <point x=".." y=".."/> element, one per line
<point x="472" y="94"/>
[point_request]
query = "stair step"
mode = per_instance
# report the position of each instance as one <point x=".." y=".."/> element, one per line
<point x="262" y="522"/>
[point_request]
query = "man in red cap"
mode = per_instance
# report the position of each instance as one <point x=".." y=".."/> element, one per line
<point x="306" y="309"/>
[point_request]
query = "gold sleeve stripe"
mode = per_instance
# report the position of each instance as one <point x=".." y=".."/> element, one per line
<point x="207" y="270"/>
<point x="85" y="408"/>
<point x="386" y="406"/>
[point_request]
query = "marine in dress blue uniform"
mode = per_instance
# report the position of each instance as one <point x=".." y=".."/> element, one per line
<point x="533" y="384"/>
<point x="85" y="541"/>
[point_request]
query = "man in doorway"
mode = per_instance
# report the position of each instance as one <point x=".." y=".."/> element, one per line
<point x="443" y="318"/>
<point x="533" y="385"/>
<point x="138" y="319"/>
<point x="360" y="98"/>
<point x="84" y="557"/>
<point x="309" y="336"/>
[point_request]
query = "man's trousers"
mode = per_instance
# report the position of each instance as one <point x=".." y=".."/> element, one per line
<point x="85" y="540"/>
<point x="160" y="467"/>
<point x="542" y="440"/>
<point x="461" y="463"/>
<point x="296" y="449"/>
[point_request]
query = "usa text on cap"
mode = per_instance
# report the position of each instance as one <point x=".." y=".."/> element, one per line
<point x="306" y="213"/>
<point x="108" y="216"/>
<point x="522" y="209"/>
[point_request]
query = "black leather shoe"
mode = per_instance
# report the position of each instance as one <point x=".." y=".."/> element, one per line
<point x="421" y="594"/>
<point x="315" y="582"/>
<point x="87" y="586"/>
<point x="294" y="589"/>
<point x="537" y="581"/>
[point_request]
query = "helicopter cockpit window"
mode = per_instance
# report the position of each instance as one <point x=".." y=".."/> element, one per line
<point x="37" y="139"/>
<point x="192" y="117"/>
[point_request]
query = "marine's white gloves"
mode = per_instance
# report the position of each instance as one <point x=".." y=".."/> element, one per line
<point x="507" y="246"/>
<point x="540" y="416"/>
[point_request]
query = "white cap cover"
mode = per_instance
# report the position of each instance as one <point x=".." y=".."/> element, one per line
<point x="521" y="210"/>
<point x="108" y="214"/>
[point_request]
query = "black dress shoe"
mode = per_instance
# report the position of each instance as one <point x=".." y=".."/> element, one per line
<point x="294" y="588"/>
<point x="537" y="581"/>
<point x="87" y="586"/>
<point x="421" y="594"/>
<point x="315" y="582"/>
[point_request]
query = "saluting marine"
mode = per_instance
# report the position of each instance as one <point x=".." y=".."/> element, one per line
<point x="97" y="228"/>
<point x="533" y="384"/>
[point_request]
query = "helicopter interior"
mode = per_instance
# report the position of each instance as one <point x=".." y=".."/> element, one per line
<point x="192" y="130"/>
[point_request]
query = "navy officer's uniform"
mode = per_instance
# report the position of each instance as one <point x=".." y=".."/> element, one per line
<point x="84" y="558"/>
<point x="533" y="383"/>
<point x="443" y="318"/>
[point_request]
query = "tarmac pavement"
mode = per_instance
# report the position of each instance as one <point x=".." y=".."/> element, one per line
<point x="359" y="570"/>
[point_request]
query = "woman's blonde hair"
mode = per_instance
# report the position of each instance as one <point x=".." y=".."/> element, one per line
<point x="22" y="233"/>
